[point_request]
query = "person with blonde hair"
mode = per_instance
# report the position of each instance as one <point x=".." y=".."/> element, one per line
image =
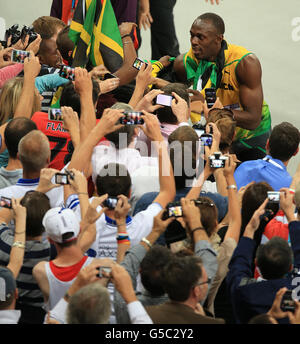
<point x="19" y="98"/>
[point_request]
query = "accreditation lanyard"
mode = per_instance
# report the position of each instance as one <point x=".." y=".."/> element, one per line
<point x="273" y="162"/>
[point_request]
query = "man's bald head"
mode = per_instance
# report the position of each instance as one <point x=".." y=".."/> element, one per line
<point x="34" y="151"/>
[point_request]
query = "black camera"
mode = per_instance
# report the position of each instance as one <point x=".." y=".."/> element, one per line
<point x="110" y="202"/>
<point x="17" y="34"/>
<point x="217" y="160"/>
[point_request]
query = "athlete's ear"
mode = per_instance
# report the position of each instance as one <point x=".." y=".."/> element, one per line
<point x="220" y="38"/>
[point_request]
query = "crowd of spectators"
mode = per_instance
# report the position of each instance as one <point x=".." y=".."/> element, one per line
<point x="188" y="217"/>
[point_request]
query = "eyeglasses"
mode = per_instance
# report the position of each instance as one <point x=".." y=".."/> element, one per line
<point x="207" y="281"/>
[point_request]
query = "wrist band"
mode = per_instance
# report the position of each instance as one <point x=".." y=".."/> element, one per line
<point x="159" y="65"/>
<point x="19" y="244"/>
<point x="127" y="35"/>
<point x="197" y="229"/>
<point x="20" y="232"/>
<point x="292" y="191"/>
<point x="231" y="187"/>
<point x="147" y="242"/>
<point x="125" y="241"/>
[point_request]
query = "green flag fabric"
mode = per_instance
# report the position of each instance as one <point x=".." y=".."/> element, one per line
<point x="95" y="33"/>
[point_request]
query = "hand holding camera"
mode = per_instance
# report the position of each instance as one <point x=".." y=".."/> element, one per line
<point x="45" y="182"/>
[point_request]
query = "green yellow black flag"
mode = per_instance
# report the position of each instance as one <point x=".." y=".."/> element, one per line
<point x="95" y="33"/>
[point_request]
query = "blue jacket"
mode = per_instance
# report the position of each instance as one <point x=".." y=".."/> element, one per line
<point x="250" y="297"/>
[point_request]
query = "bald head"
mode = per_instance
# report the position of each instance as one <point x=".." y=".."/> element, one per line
<point x="34" y="151"/>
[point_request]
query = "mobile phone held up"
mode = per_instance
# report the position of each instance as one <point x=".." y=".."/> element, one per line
<point x="5" y="202"/>
<point x="67" y="72"/>
<point x="55" y="115"/>
<point x="132" y="118"/>
<point x="137" y="64"/>
<point x="19" y="55"/>
<point x="206" y="139"/>
<point x="210" y="97"/>
<point x="164" y="99"/>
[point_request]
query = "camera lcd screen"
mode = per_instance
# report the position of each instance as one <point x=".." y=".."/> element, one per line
<point x="5" y="202"/>
<point x="19" y="55"/>
<point x="132" y="118"/>
<point x="164" y="99"/>
<point x="210" y="97"/>
<point x="217" y="163"/>
<point x="274" y="196"/>
<point x="55" y="115"/>
<point x="175" y="211"/>
<point x="206" y="139"/>
<point x="61" y="178"/>
<point x="67" y="72"/>
<point x="138" y="64"/>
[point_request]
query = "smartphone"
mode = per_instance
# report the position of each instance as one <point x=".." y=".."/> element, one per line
<point x="287" y="302"/>
<point x="67" y="72"/>
<point x="206" y="139"/>
<point x="55" y="115"/>
<point x="164" y="99"/>
<point x="19" y="55"/>
<point x="274" y="196"/>
<point x="210" y="97"/>
<point x="106" y="76"/>
<point x="137" y="64"/>
<point x="110" y="202"/>
<point x="104" y="271"/>
<point x="132" y="118"/>
<point x="5" y="202"/>
<point x="61" y="178"/>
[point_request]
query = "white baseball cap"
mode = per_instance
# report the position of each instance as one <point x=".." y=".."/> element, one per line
<point x="58" y="221"/>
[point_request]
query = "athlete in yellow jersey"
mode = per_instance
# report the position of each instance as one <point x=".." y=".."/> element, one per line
<point x="236" y="74"/>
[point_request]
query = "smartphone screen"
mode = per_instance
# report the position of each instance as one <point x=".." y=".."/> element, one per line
<point x="19" y="55"/>
<point x="55" y="115"/>
<point x="137" y="64"/>
<point x="67" y="72"/>
<point x="164" y="99"/>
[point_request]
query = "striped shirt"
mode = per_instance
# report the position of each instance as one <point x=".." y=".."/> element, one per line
<point x="35" y="252"/>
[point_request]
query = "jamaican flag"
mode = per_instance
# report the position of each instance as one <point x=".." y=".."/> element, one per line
<point x="95" y="33"/>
